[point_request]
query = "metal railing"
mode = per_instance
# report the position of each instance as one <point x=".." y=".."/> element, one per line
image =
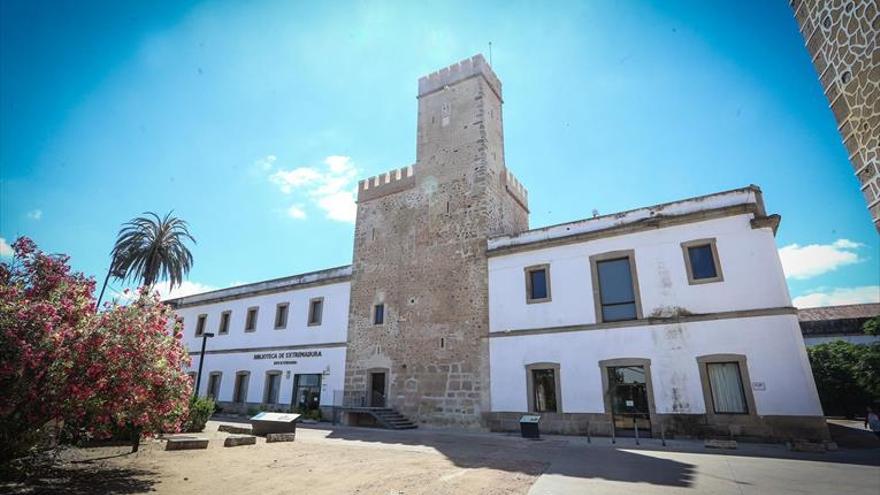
<point x="360" y="398"/>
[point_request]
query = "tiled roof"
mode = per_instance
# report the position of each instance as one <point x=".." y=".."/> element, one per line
<point x="839" y="312"/>
<point x="837" y="320"/>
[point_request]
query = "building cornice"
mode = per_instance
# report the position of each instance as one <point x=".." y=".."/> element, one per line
<point x="644" y="322"/>
<point x="284" y="284"/>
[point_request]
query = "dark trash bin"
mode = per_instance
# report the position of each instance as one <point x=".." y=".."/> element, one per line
<point x="528" y="426"/>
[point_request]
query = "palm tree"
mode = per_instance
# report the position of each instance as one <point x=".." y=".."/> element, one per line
<point x="148" y="249"/>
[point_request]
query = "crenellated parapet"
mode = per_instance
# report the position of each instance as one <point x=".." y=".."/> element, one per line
<point x="460" y="71"/>
<point x="387" y="183"/>
<point x="515" y="188"/>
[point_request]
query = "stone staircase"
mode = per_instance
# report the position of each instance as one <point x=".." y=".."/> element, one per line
<point x="391" y="419"/>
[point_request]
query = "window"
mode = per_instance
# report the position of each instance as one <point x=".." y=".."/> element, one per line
<point x="214" y="384"/>
<point x="200" y="325"/>
<point x="281" y="315"/>
<point x="543" y="387"/>
<point x="725" y="383"/>
<point x="307" y="392"/>
<point x="615" y="287"/>
<point x="273" y="385"/>
<point x="537" y="284"/>
<point x="224" y="322"/>
<point x="378" y="314"/>
<point x="701" y="261"/>
<point x="316" y="307"/>
<point x="250" y="322"/>
<point x="241" y="386"/>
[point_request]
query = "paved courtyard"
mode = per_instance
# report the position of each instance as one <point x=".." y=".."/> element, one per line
<point x="345" y="460"/>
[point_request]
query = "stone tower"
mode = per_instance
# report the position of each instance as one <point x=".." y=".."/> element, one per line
<point x="420" y="253"/>
<point x="843" y="38"/>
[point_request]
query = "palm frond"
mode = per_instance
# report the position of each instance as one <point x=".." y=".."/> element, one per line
<point x="149" y="248"/>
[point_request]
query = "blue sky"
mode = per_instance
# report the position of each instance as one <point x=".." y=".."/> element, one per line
<point x="251" y="120"/>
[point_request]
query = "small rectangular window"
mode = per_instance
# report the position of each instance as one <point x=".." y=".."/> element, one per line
<point x="281" y="315"/>
<point x="701" y="261"/>
<point x="379" y="314"/>
<point x="273" y="385"/>
<point x="544" y="389"/>
<point x="726" y="385"/>
<point x="250" y="322"/>
<point x="224" y="322"/>
<point x="616" y="290"/>
<point x="214" y="385"/>
<point x="241" y="383"/>
<point x="537" y="284"/>
<point x="316" y="307"/>
<point x="200" y="325"/>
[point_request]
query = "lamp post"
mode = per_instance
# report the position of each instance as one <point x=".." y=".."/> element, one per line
<point x="205" y="337"/>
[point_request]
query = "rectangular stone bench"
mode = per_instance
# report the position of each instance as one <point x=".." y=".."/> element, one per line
<point x="186" y="443"/>
<point x="236" y="440"/>
<point x="280" y="437"/>
<point x="241" y="430"/>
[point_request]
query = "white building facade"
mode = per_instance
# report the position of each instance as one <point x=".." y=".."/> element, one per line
<point x="672" y="320"/>
<point x="276" y="345"/>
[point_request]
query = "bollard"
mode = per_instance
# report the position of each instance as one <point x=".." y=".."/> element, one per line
<point x="663" y="435"/>
<point x="636" y="426"/>
<point x="613" y="432"/>
<point x="589" y="440"/>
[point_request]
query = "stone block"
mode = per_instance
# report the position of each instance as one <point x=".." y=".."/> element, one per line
<point x="720" y="444"/>
<point x="186" y="443"/>
<point x="280" y="437"/>
<point x="241" y="430"/>
<point x="236" y="440"/>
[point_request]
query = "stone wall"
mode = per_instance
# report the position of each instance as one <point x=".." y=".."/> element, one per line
<point x="843" y="38"/>
<point x="762" y="428"/>
<point x="420" y="249"/>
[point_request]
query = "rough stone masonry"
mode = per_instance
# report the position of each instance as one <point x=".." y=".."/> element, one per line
<point x="420" y="251"/>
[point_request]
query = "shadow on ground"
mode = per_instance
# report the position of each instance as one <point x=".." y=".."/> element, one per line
<point x="851" y="434"/>
<point x="533" y="457"/>
<point x="83" y="478"/>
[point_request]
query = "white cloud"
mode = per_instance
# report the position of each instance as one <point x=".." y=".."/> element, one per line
<point x="296" y="211"/>
<point x="802" y="262"/>
<point x="330" y="187"/>
<point x="187" y="288"/>
<point x="5" y="248"/>
<point x="339" y="206"/>
<point x="838" y="296"/>
<point x="35" y="214"/>
<point x="265" y="164"/>
<point x="288" y="180"/>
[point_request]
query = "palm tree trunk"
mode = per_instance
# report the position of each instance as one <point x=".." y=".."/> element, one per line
<point x="103" y="288"/>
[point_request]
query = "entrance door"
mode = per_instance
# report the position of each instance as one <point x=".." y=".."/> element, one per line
<point x="629" y="399"/>
<point x="377" y="389"/>
<point x="307" y="392"/>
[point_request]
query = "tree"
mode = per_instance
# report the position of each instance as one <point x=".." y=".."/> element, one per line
<point x="95" y="374"/>
<point x="872" y="326"/>
<point x="847" y="375"/>
<point x="150" y="248"/>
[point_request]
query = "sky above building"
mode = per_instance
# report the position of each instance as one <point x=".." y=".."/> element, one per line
<point x="254" y="120"/>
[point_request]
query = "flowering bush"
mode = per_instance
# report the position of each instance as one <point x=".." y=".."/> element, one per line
<point x="95" y="374"/>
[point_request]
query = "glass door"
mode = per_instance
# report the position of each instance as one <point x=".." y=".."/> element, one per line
<point x="629" y="399"/>
<point x="307" y="392"/>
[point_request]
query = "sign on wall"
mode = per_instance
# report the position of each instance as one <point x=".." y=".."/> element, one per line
<point x="286" y="357"/>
